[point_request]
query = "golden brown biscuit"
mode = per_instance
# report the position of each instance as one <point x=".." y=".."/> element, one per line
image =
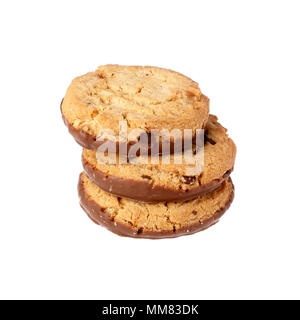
<point x="166" y="182"/>
<point x="144" y="97"/>
<point x="160" y="220"/>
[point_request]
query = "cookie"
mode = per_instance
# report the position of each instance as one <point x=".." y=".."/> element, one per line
<point x="166" y="182"/>
<point x="144" y="98"/>
<point x="147" y="220"/>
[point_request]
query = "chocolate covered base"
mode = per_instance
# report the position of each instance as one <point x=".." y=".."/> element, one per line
<point x="98" y="215"/>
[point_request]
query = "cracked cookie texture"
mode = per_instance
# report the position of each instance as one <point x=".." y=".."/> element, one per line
<point x="147" y="220"/>
<point x="166" y="182"/>
<point x="144" y="97"/>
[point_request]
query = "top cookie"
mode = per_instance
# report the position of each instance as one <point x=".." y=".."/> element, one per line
<point x="145" y="97"/>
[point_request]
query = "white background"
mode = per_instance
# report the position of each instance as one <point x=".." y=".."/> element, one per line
<point x="245" y="56"/>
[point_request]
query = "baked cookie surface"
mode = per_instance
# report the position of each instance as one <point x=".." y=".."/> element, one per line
<point x="144" y="97"/>
<point x="160" y="220"/>
<point x="166" y="182"/>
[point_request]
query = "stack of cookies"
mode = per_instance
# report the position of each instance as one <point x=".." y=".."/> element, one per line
<point x="128" y="191"/>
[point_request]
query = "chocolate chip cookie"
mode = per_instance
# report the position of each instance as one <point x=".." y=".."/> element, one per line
<point x="147" y="220"/>
<point x="144" y="98"/>
<point x="166" y="182"/>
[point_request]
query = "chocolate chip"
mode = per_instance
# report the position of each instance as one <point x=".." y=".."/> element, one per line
<point x="194" y="212"/>
<point x="189" y="180"/>
<point x="140" y="230"/>
<point x="207" y="139"/>
<point x="226" y="174"/>
<point x="146" y="177"/>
